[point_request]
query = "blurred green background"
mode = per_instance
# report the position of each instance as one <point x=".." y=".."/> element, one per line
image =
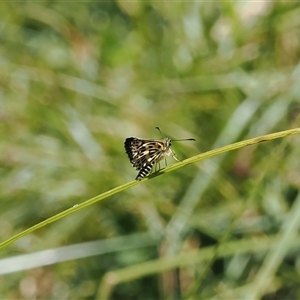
<point x="76" y="79"/>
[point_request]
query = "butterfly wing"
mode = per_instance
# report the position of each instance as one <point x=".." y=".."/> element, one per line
<point x="143" y="154"/>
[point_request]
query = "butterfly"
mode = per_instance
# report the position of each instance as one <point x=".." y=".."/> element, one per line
<point x="145" y="153"/>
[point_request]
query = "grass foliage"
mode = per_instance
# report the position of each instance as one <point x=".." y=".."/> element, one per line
<point x="78" y="78"/>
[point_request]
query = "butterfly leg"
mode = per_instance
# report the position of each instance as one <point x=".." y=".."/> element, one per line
<point x="174" y="155"/>
<point x="155" y="164"/>
<point x="156" y="169"/>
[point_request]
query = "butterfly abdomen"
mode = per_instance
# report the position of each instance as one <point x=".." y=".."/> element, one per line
<point x="144" y="171"/>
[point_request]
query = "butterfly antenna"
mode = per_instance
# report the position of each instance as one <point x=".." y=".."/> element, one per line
<point x="159" y="131"/>
<point x="191" y="139"/>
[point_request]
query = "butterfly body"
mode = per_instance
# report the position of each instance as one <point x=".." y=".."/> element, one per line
<point x="144" y="154"/>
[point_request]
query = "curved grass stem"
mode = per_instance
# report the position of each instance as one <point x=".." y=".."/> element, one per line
<point x="128" y="185"/>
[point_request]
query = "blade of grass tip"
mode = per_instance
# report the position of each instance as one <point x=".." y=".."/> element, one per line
<point x="231" y="147"/>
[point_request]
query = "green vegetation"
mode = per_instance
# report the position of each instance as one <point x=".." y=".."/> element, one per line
<point x="78" y="78"/>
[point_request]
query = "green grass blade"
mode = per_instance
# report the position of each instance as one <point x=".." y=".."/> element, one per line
<point x="172" y="168"/>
